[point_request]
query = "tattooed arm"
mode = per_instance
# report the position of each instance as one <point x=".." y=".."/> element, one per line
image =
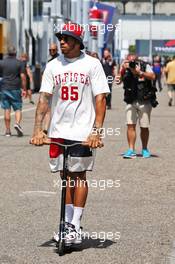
<point x="42" y="107"/>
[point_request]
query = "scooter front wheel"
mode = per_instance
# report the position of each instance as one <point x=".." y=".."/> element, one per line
<point x="61" y="247"/>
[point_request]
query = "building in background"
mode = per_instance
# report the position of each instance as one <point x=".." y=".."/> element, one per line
<point x="143" y="23"/>
<point x="104" y="17"/>
<point x="4" y="26"/>
<point x="26" y="27"/>
<point x="32" y="25"/>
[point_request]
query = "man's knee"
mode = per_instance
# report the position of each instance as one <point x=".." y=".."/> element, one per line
<point x="7" y="115"/>
<point x="144" y="129"/>
<point x="78" y="175"/>
<point x="75" y="175"/>
<point x="75" y="179"/>
<point x="7" y="118"/>
<point x="131" y="126"/>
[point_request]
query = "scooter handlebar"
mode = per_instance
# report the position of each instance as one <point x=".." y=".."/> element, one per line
<point x="49" y="142"/>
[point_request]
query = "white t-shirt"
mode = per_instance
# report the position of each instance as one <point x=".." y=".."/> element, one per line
<point x="74" y="85"/>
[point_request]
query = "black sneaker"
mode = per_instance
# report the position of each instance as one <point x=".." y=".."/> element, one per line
<point x="18" y="130"/>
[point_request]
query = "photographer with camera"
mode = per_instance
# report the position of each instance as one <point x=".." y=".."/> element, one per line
<point x="140" y="97"/>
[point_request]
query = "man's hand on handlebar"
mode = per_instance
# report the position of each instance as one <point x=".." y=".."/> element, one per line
<point x="39" y="138"/>
<point x="94" y="141"/>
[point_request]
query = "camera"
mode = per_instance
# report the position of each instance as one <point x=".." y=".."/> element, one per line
<point x="151" y="96"/>
<point x="141" y="64"/>
<point x="132" y="64"/>
<point x="154" y="102"/>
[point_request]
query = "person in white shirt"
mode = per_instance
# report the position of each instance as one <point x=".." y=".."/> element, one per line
<point x="78" y="87"/>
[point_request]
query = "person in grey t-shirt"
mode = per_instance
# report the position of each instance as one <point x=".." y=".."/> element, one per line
<point x="13" y="74"/>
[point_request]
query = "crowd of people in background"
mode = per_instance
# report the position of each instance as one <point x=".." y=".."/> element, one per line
<point x="162" y="67"/>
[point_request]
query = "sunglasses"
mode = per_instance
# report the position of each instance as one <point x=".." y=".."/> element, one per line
<point x="52" y="49"/>
<point x="65" y="38"/>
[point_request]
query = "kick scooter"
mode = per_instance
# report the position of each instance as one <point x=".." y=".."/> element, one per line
<point x="61" y="243"/>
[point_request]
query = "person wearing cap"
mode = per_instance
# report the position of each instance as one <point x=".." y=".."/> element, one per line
<point x="13" y="74"/>
<point x="78" y="87"/>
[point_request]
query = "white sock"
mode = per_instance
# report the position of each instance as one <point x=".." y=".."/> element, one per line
<point x="69" y="211"/>
<point x="78" y="211"/>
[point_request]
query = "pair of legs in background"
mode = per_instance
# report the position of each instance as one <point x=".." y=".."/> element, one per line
<point x="171" y="93"/>
<point x="29" y="95"/>
<point x="109" y="97"/>
<point x="134" y="112"/>
<point x="158" y="80"/>
<point x="12" y="99"/>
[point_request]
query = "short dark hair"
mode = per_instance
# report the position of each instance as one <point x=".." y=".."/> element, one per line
<point x="108" y="49"/>
<point x="11" y="50"/>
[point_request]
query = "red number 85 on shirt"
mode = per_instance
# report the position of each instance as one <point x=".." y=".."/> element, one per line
<point x="69" y="93"/>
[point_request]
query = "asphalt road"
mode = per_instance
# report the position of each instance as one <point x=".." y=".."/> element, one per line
<point x="130" y="212"/>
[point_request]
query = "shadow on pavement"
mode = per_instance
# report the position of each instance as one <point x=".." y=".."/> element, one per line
<point x="87" y="243"/>
<point x="140" y="156"/>
<point x="96" y="243"/>
<point x="152" y="156"/>
<point x="49" y="243"/>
